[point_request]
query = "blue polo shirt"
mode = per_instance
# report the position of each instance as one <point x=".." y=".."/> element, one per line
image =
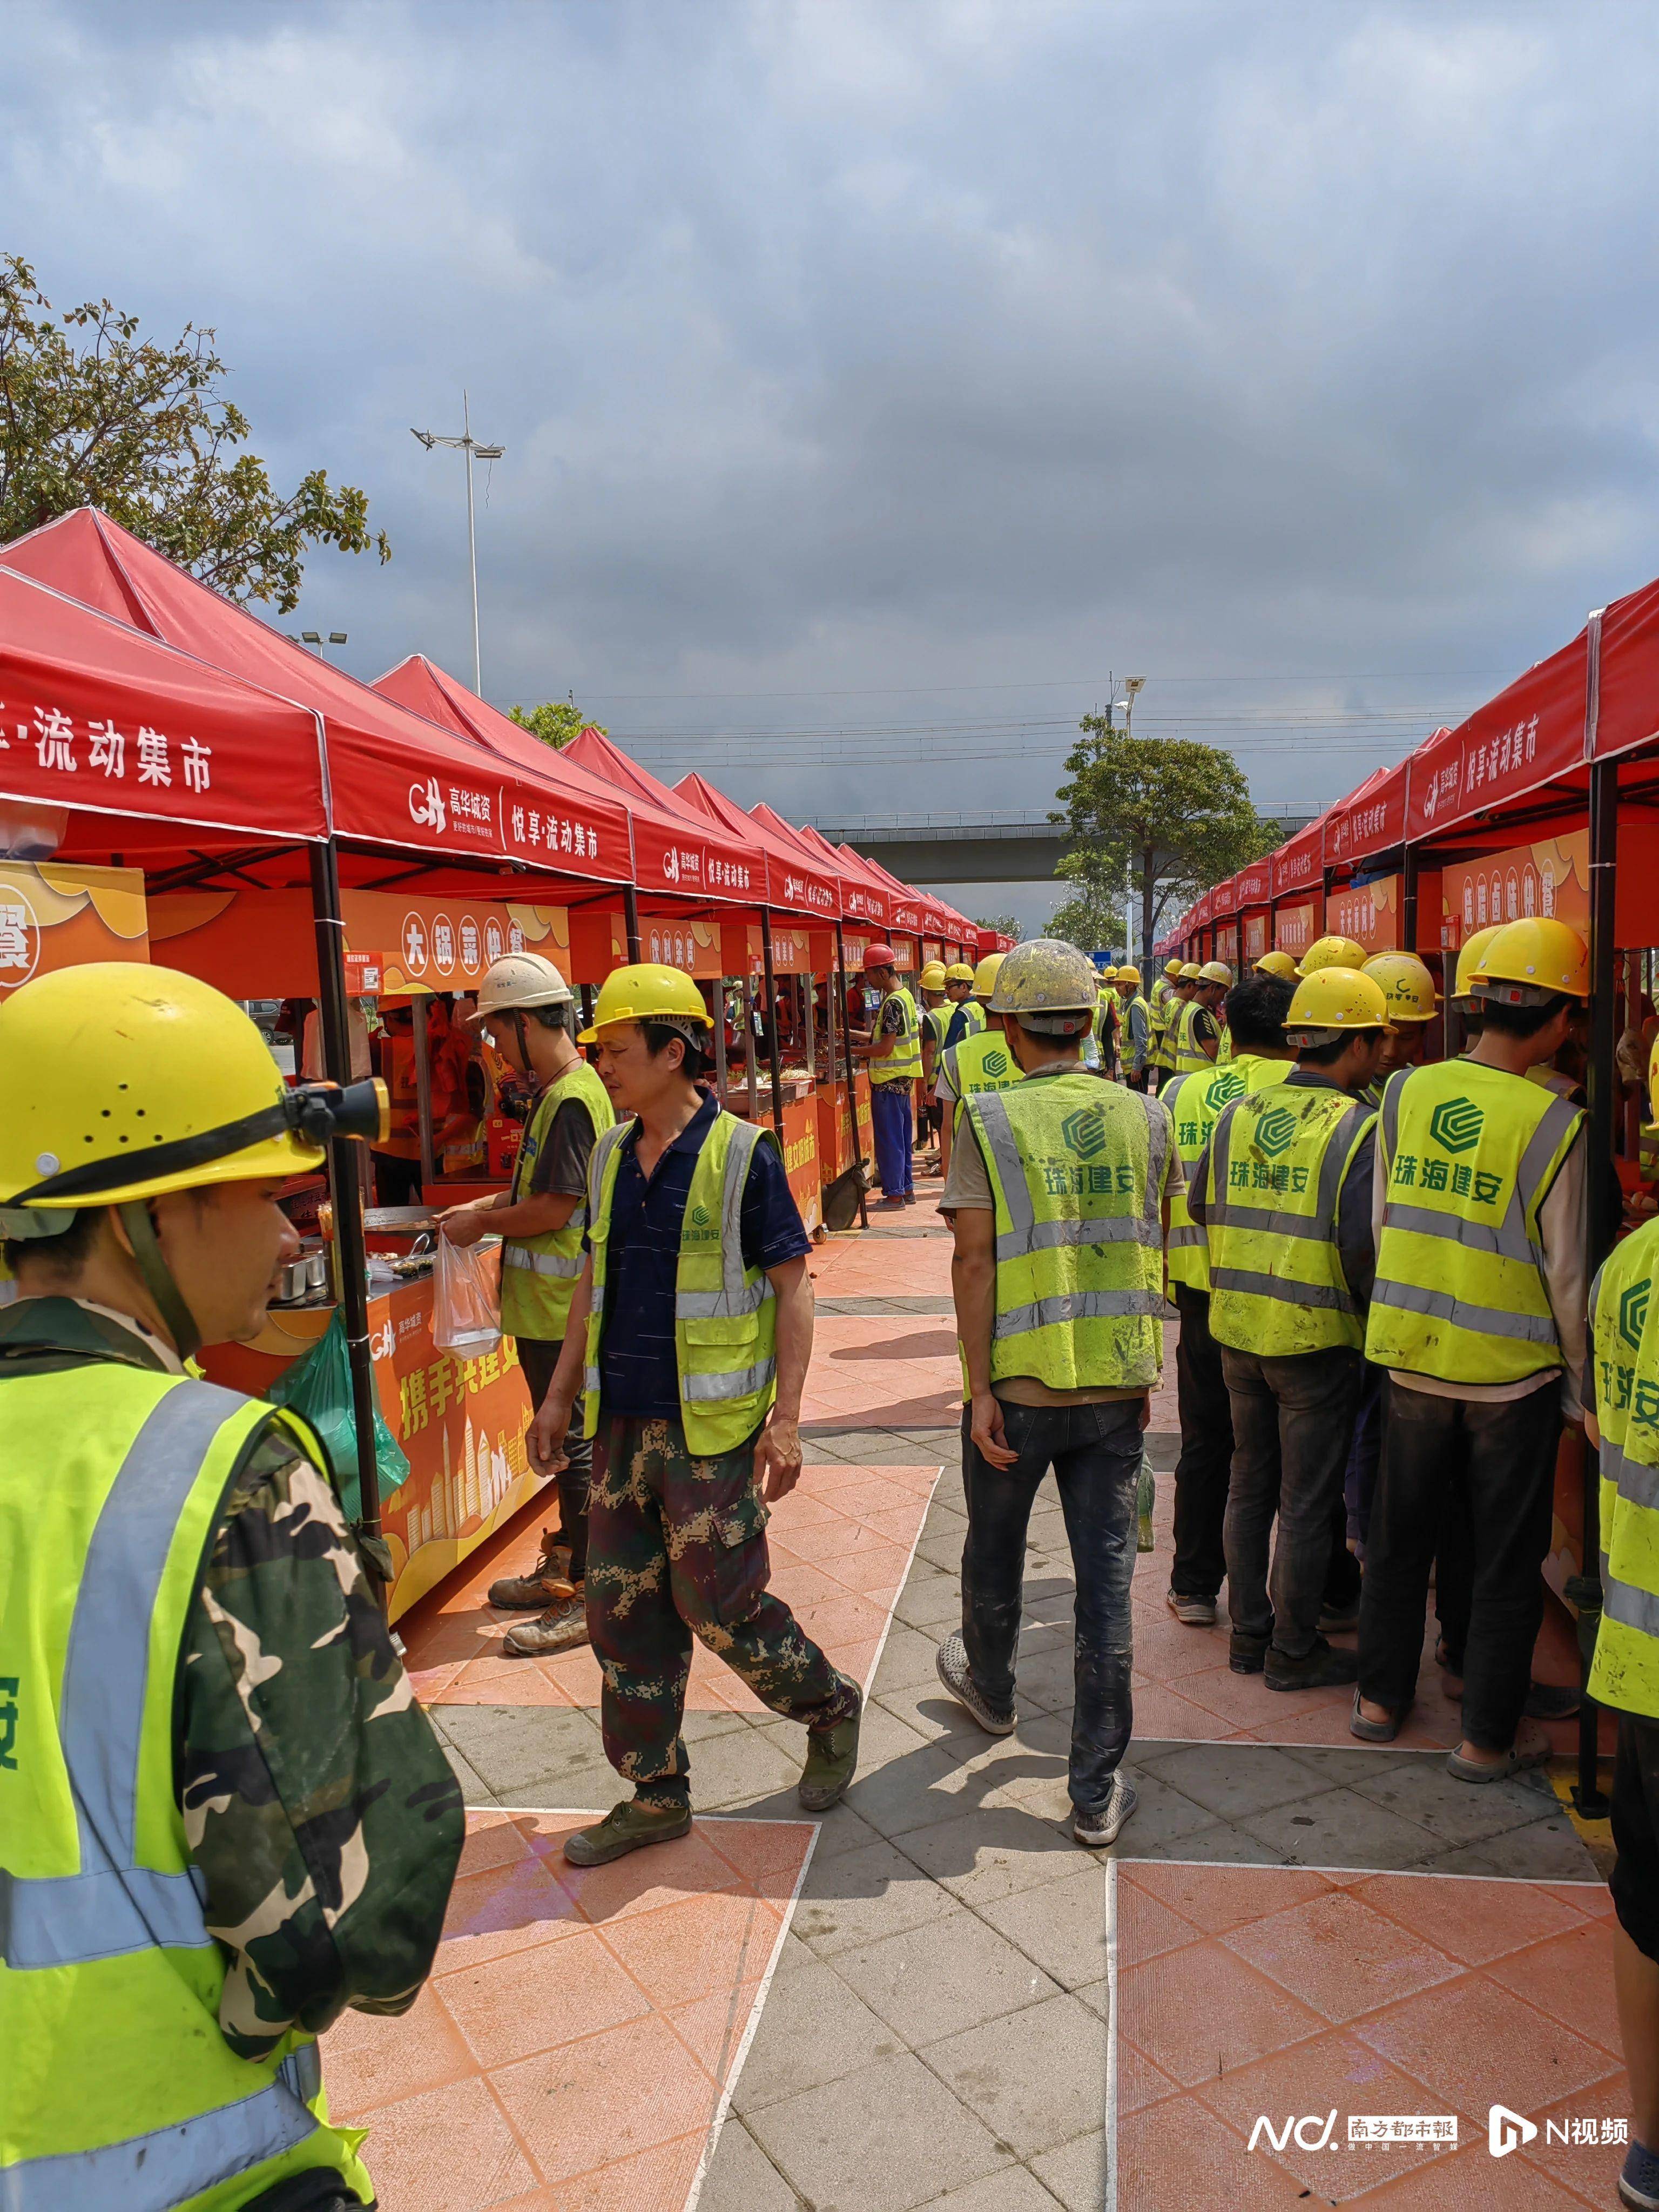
<point x="638" y="1379"/>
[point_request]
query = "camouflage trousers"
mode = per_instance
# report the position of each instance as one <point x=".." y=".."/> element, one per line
<point x="677" y="1547"/>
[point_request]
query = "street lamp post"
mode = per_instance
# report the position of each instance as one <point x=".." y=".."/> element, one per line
<point x="314" y="638"/>
<point x="468" y="444"/>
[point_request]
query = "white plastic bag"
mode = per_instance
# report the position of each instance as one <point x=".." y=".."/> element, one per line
<point x="466" y="1297"/>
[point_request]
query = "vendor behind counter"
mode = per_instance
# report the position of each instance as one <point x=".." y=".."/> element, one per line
<point x="460" y="1099"/>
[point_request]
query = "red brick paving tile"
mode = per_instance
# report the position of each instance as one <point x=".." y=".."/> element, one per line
<point x="496" y="1839"/>
<point x="1165" y="1716"/>
<point x="1470" y="2181"/>
<point x="1570" y="1978"/>
<point x="629" y="2090"/>
<point x="1473" y="1920"/>
<point x="1591" y="2170"/>
<point x="644" y="1879"/>
<point x="500" y="1909"/>
<point x="1216" y="1897"/>
<point x="1246" y="1701"/>
<point x="1176" y="2154"/>
<point x="1140" y="2082"/>
<point x="1340" y="1956"/>
<point x="767" y="1854"/>
<point x="445" y="2150"/>
<point x="1473" y="2043"/>
<point x="530" y="2001"/>
<point x="372" y="2061"/>
<point x="1592" y="1898"/>
<point x="712" y="2027"/>
<point x="656" y="2180"/>
<point x="1145" y="1926"/>
<point x="682" y="1951"/>
<point x="1200" y="2010"/>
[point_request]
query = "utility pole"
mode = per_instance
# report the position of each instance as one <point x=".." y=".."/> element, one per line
<point x="467" y="444"/>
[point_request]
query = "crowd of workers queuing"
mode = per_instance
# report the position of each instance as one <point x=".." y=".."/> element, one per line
<point x="1378" y="1262"/>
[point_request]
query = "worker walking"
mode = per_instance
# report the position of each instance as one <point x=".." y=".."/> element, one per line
<point x="223" y="1817"/>
<point x="527" y="1009"/>
<point x="980" y="1061"/>
<point x="892" y="1049"/>
<point x="1056" y="1195"/>
<point x="1135" y="1027"/>
<point x="1478" y="1318"/>
<point x="687" y="1345"/>
<point x="1256" y="1009"/>
<point x="1101" y="1048"/>
<point x="1283" y="1194"/>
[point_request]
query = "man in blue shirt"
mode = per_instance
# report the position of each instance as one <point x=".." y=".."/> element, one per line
<point x="689" y="1337"/>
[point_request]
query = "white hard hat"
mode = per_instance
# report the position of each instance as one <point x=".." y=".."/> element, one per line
<point x="519" y="980"/>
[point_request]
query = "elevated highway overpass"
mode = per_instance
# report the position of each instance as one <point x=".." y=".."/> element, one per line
<point x="981" y="846"/>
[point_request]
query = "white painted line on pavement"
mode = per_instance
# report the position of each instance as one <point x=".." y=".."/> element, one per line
<point x="892" y="1606"/>
<point x="1111" y="2036"/>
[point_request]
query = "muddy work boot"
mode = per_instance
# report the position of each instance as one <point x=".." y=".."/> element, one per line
<point x="832" y="1758"/>
<point x="562" y="1627"/>
<point x="534" y="1593"/>
<point x="627" y="1828"/>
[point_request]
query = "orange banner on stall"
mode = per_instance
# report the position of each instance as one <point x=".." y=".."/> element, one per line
<point x="801" y="1160"/>
<point x="1371" y="914"/>
<point x="744" y="954"/>
<point x="1226" y="943"/>
<point x="1295" y="927"/>
<point x="694" y="946"/>
<point x="53" y="917"/>
<point x="1549" y="877"/>
<point x="1256" y="935"/>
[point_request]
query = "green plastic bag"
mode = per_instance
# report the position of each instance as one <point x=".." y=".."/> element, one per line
<point x="1147" y="1497"/>
<point x="319" y="1387"/>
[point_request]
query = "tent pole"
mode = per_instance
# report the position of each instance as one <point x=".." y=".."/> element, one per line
<point x="631" y="914"/>
<point x="346" y="1168"/>
<point x="773" y="1053"/>
<point x="1602" y="1087"/>
<point x="840" y="981"/>
<point x="1408" y="901"/>
<point x="418" y="1009"/>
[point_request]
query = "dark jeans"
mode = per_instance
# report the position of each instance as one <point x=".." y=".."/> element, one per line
<point x="1206" y="1451"/>
<point x="890" y="1117"/>
<point x="1094" y="1452"/>
<point x="1502" y="1458"/>
<point x="538" y="1356"/>
<point x="1292" y="1419"/>
<point x="1364" y="1454"/>
<point x="1635" y="1884"/>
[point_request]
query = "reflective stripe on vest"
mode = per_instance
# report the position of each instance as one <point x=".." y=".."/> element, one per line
<point x="1189" y="1056"/>
<point x="1195" y="1103"/>
<point x="1625" y="1362"/>
<point x="1076" y="1171"/>
<point x="903" y="1063"/>
<point x="101" y="1757"/>
<point x="1276" y="1284"/>
<point x="1460" y="1292"/>
<point x="540" y="1275"/>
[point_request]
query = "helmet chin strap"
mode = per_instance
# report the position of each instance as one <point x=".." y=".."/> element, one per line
<point x="158" y="1277"/>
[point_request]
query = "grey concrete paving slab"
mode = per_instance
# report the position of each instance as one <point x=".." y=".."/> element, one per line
<point x="990" y="1853"/>
<point x="1221" y="1845"/>
<point x="1336" y="1765"/>
<point x="1034" y="2080"/>
<point x="745" y="1767"/>
<point x="1015" y="2190"/>
<point x="1163" y="1816"/>
<point x="865" y="1894"/>
<point x="1231" y="1779"/>
<point x="930" y="1600"/>
<point x="1059" y="1923"/>
<point x="742" y="2179"/>
<point x="1341" y="1828"/>
<point x="818" y="2030"/>
<point x="474" y="1790"/>
<point x="1547" y="1850"/>
<point x="1460" y="1812"/>
<point x="932" y="1982"/>
<point x="906" y="1661"/>
<point x="886" y="2139"/>
<point x="1077" y="2173"/>
<point x="523" y="1753"/>
<point x="880" y="1447"/>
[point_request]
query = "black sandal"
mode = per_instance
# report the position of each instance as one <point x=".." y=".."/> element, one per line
<point x="1373" y="1731"/>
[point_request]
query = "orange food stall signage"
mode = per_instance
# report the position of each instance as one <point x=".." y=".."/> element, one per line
<point x="1256" y="929"/>
<point x="744" y="954"/>
<point x="1549" y="877"/>
<point x="1369" y="915"/>
<point x="801" y="1160"/>
<point x="1295" y="927"/>
<point x="1226" y="943"/>
<point x="53" y="917"/>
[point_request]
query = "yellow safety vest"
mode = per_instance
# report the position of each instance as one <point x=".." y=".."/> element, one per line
<point x="1278" y="1162"/>
<point x="1196" y="1104"/>
<point x="121" y="2094"/>
<point x="724" y="1313"/>
<point x="540" y="1275"/>
<point x="1076" y="1169"/>
<point x="1625" y="1356"/>
<point x="903" y="1063"/>
<point x="1223" y="1051"/>
<point x="1470" y="1154"/>
<point x="1166" y="1029"/>
<point x="984" y="1061"/>
<point x="1190" y="1058"/>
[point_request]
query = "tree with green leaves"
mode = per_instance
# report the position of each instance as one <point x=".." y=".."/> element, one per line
<point x="1092" y="917"/>
<point x="1161" y="817"/>
<point x="92" y="413"/>
<point x="555" y="722"/>
<point x="1004" y="923"/>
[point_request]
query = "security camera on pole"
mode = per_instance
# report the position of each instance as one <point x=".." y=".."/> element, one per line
<point x="468" y="444"/>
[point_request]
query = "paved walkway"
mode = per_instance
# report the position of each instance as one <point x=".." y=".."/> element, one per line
<point x="932" y="1997"/>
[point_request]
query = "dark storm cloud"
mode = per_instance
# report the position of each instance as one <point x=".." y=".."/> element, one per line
<point x="840" y="346"/>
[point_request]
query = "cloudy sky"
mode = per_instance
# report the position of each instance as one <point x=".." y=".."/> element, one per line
<point x="878" y="377"/>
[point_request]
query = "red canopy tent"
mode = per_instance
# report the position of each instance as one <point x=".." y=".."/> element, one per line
<point x="706" y="858"/>
<point x="796" y="883"/>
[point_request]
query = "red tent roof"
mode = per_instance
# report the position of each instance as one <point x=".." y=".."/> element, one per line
<point x="154" y="752"/>
<point x="699" y="857"/>
<point x="812" y="854"/>
<point x="796" y="883"/>
<point x="1254" y="885"/>
<point x="863" y="892"/>
<point x="1297" y="864"/>
<point x="394" y="779"/>
<point x="1370" y="819"/>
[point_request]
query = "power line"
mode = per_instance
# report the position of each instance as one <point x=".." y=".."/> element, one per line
<point x="1061" y="684"/>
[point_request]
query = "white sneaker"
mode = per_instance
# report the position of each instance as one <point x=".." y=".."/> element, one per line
<point x="1096" y="1830"/>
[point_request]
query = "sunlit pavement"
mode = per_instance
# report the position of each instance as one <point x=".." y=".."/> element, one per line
<point x="933" y="1997"/>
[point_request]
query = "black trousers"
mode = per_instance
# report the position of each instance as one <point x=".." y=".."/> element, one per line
<point x="1501" y="1459"/>
<point x="1635" y="1884"/>
<point x="1206" y="1451"/>
<point x="538" y="1356"/>
<point x="1292" y="1421"/>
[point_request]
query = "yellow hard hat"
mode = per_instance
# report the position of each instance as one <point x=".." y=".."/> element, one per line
<point x="1108" y="973"/>
<point x="1282" y="964"/>
<point x="645" y="993"/>
<point x="932" y="977"/>
<point x="1332" y="952"/>
<point x="985" y="975"/>
<point x="1469" y="959"/>
<point x="1172" y="969"/>
<point x="1405" y="984"/>
<point x="959" y="972"/>
<point x="1129" y="973"/>
<point x="1533" y="960"/>
<point x="1188" y="972"/>
<point x="1333" y="999"/>
<point x="120" y="1081"/>
<point x="1216" y="971"/>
